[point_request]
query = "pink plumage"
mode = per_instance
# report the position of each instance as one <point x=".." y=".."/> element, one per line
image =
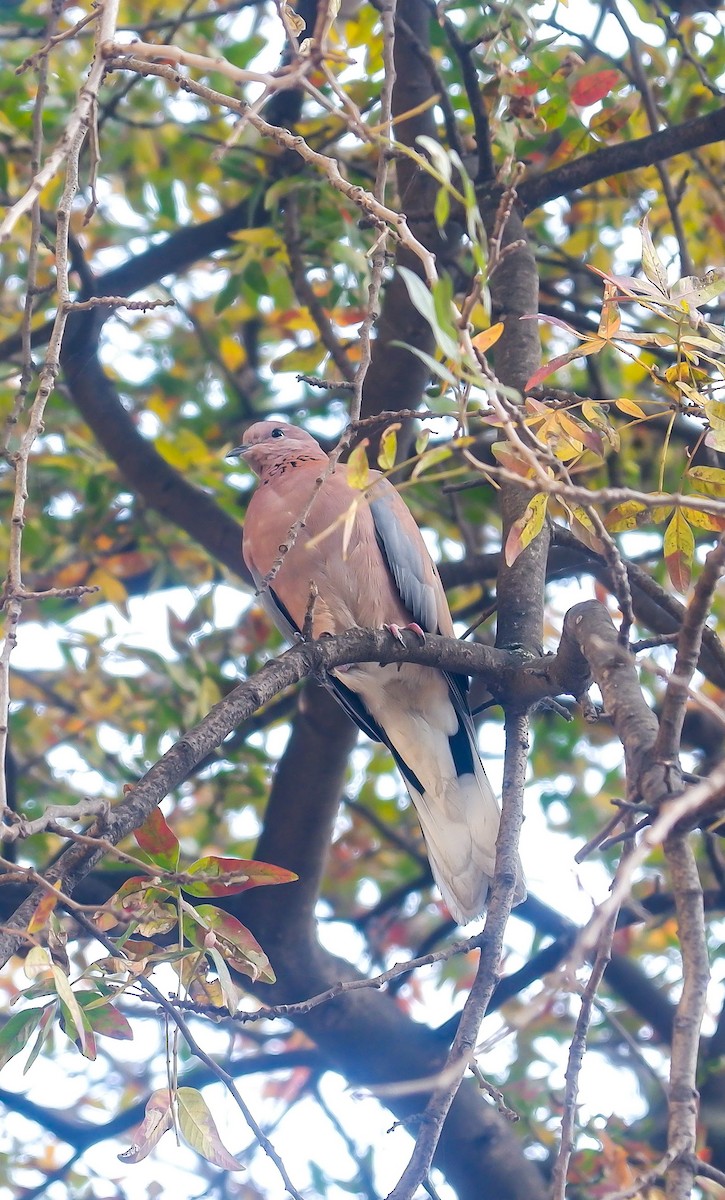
<point x="369" y="563"/>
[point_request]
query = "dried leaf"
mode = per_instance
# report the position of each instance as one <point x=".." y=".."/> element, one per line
<point x="591" y="346"/>
<point x="679" y="549"/>
<point x="610" y="319"/>
<point x="44" y="908"/>
<point x="652" y="265"/>
<point x="294" y="20"/>
<point x="158" y="1118"/>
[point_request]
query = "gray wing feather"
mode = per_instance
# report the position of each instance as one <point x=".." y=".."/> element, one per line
<point x="406" y="562"/>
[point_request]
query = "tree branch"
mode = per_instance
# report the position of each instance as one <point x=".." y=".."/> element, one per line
<point x="626" y="156"/>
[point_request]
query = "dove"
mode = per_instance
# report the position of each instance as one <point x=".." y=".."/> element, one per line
<point x="364" y="555"/>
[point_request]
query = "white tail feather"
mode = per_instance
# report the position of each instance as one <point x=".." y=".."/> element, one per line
<point x="459" y="814"/>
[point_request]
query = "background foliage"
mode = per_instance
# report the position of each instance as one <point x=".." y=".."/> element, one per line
<point x="247" y="270"/>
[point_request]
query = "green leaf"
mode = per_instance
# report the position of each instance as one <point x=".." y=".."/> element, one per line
<point x="45" y="1028"/>
<point x="200" y="1132"/>
<point x="422" y="300"/>
<point x="65" y="995"/>
<point x="103" y="1017"/>
<point x="16" y="1031"/>
<point x="434" y="366"/>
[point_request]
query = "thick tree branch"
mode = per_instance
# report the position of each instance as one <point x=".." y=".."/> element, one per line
<point x="683" y="1095"/>
<point x="613" y="668"/>
<point x="626" y="156"/>
<point x="313" y="658"/>
<point x="163" y="488"/>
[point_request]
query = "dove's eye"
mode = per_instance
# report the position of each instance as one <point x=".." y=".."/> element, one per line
<point x="277" y="433"/>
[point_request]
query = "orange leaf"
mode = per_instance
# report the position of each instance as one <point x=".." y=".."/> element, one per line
<point x="43" y="910"/>
<point x="487" y="338"/>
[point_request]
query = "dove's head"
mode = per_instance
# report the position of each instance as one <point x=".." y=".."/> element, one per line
<point x="267" y="445"/>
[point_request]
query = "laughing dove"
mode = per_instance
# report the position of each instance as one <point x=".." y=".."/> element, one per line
<point x="365" y="554"/>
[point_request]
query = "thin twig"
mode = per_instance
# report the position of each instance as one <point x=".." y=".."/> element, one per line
<point x="117" y="302"/>
<point x="68" y="150"/>
<point x="19" y="827"/>
<point x="576" y="1054"/>
<point x="180" y="1023"/>
<point x="305" y="292"/>
<point x="378" y="213"/>
<point x="387" y="12"/>
<point x="689" y="645"/>
<point x="491" y="943"/>
<point x="645" y="91"/>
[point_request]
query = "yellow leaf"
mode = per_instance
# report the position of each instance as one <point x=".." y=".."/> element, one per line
<point x="430" y="458"/>
<point x="630" y="408"/>
<point x="209" y="695"/>
<point x="232" y="354"/>
<point x="301" y="361"/>
<point x="388" y="448"/>
<point x="111" y="587"/>
<point x="703" y="520"/>
<point x="710" y="480"/>
<point x="625" y="516"/>
<point x="679" y="548"/>
<point x="186" y="449"/>
<point x="358" y="471"/>
<point x="487" y="338"/>
<point x="528" y="526"/>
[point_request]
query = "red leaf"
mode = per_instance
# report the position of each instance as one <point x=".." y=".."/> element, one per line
<point x="590" y="88"/>
<point x="228" y="876"/>
<point x="224" y="933"/>
<point x="159" y="841"/>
